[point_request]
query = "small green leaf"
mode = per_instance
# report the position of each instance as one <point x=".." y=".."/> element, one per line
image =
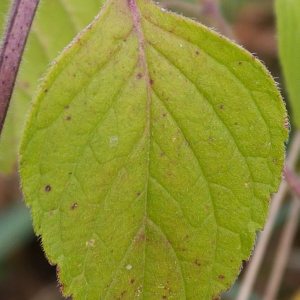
<point x="288" y="24"/>
<point x="149" y="157"/>
<point x="55" y="25"/>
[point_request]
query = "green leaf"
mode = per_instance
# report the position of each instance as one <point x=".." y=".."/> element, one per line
<point x="149" y="157"/>
<point x="288" y="24"/>
<point x="55" y="25"/>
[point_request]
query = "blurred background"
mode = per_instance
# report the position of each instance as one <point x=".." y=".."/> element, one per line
<point x="25" y="273"/>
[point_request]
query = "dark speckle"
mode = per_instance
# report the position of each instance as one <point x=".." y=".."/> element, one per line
<point x="123" y="293"/>
<point x="211" y="139"/>
<point x="164" y="115"/>
<point x="151" y="81"/>
<point x="240" y="62"/>
<point x="221" y="277"/>
<point x="197" y="52"/>
<point x="45" y="90"/>
<point x="139" y="76"/>
<point x="196" y="262"/>
<point x="75" y="205"/>
<point x="68" y="118"/>
<point x="132" y="280"/>
<point x="67" y="107"/>
<point x="221" y="106"/>
<point x="274" y="160"/>
<point x="162" y="154"/>
<point x="47" y="188"/>
<point x="164" y="297"/>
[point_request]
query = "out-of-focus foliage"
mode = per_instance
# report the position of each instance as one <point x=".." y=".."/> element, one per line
<point x="288" y="21"/>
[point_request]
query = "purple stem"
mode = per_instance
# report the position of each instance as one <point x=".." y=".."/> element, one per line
<point x="292" y="180"/>
<point x="211" y="9"/>
<point x="19" y="23"/>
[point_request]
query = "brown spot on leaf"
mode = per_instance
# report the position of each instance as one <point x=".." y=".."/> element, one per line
<point x="75" y="205"/>
<point x="45" y="90"/>
<point x="68" y="118"/>
<point x="151" y="81"/>
<point x="197" y="52"/>
<point x="274" y="160"/>
<point x="221" y="106"/>
<point x="211" y="139"/>
<point x="132" y="280"/>
<point x="67" y="107"/>
<point x="197" y="263"/>
<point x="164" y="115"/>
<point x="240" y="62"/>
<point x="47" y="188"/>
<point x="221" y="277"/>
<point x="164" y="297"/>
<point x="123" y="293"/>
<point x="139" y="76"/>
<point x="162" y="154"/>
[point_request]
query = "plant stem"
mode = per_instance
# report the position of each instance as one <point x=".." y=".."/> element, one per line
<point x="283" y="251"/>
<point x="19" y="23"/>
<point x="211" y="9"/>
<point x="292" y="180"/>
<point x="287" y="237"/>
<point x="264" y="237"/>
<point x="190" y="9"/>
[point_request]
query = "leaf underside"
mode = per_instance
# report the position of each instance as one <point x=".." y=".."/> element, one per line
<point x="149" y="157"/>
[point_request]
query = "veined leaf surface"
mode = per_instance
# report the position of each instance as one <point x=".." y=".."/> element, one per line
<point x="55" y="25"/>
<point x="149" y="157"/>
<point x="288" y="25"/>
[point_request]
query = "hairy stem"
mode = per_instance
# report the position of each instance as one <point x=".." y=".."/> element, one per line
<point x="19" y="23"/>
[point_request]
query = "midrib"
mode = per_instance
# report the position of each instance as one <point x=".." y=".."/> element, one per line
<point x="136" y="17"/>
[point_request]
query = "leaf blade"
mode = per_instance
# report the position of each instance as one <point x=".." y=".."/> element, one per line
<point x="43" y="46"/>
<point x="151" y="158"/>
